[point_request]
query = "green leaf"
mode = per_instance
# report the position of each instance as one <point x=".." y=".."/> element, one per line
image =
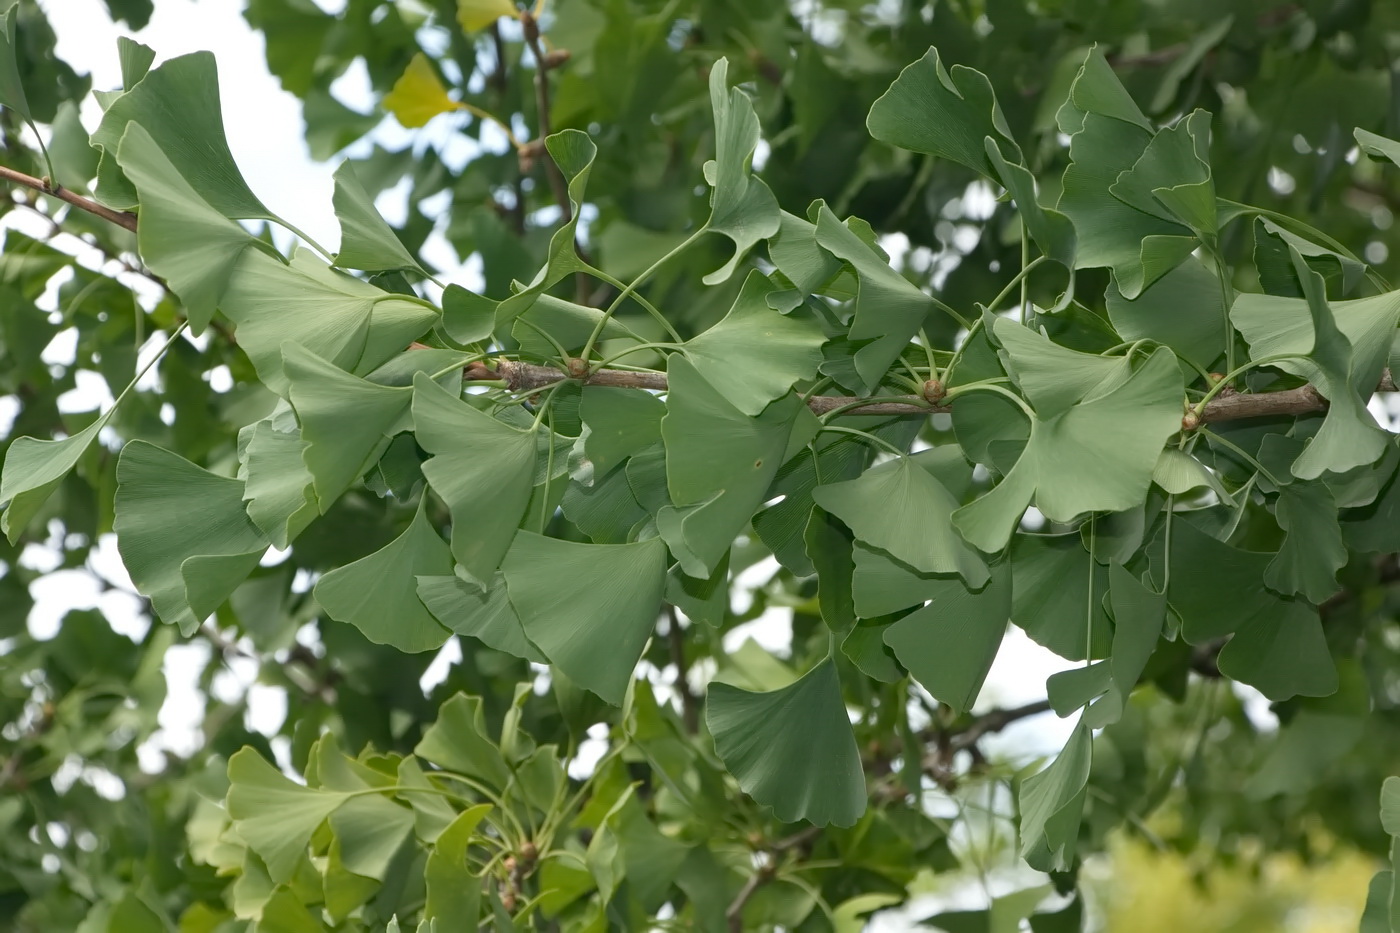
<point x="274" y="815"/>
<point x="454" y="893"/>
<point x="1057" y="584"/>
<point x="1275" y="265"/>
<point x="466" y="316"/>
<point x="181" y="237"/>
<point x="1183" y="310"/>
<point x="755" y="354"/>
<point x="889" y="308"/>
<point x="1390" y="805"/>
<point x="1052" y="803"/>
<point x="741" y="206"/>
<point x="346" y="421"/>
<point x="1052" y="231"/>
<point x="277" y="485"/>
<point x="1377" y="146"/>
<point x="134" y="59"/>
<point x="619" y="423"/>
<point x="945" y="114"/>
<point x="482" y="468"/>
<point x="12" y="95"/>
<point x="1097" y="456"/>
<point x="719" y="465"/>
<point x="949" y="645"/>
<point x="487" y="616"/>
<point x="474" y="15"/>
<point x="34" y="469"/>
<point x="347" y="322"/>
<point x="1138" y="617"/>
<point x="1108" y="135"/>
<point x="794" y="250"/>
<point x="589" y="607"/>
<point x="1053" y="377"/>
<point x="182" y="533"/>
<point x="791" y="749"/>
<point x="378" y="594"/>
<point x="568" y="323"/>
<point x="573" y="151"/>
<point x="902" y="509"/>
<point x="366" y="240"/>
<point x="177" y="103"/>
<point x="457" y="742"/>
<point x="1341" y="349"/>
<point x="1178" y="472"/>
<point x="1312" y="550"/>
<point x="370" y="829"/>
<point x="1172" y="178"/>
<point x="829" y="550"/>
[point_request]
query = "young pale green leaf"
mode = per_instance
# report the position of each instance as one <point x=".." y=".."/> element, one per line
<point x="1184" y="310"/>
<point x="177" y="103"/>
<point x="33" y="470"/>
<point x="1052" y="803"/>
<point x="573" y="151"/>
<point x="1053" y="377"/>
<point x="349" y="323"/>
<point x="589" y="607"/>
<point x="482" y="468"/>
<point x="949" y="645"/>
<point x="741" y="206"/>
<point x="889" y="308"/>
<point x="1097" y="456"/>
<point x="1108" y="135"/>
<point x="791" y="749"/>
<point x="182" y="532"/>
<point x="1390" y="805"/>
<point x="719" y="464"/>
<point x="277" y="485"/>
<point x="901" y="508"/>
<point x="418" y="96"/>
<point x="369" y="830"/>
<point x="454" y="894"/>
<point x="1313" y="550"/>
<point x="948" y="115"/>
<point x="346" y="421"/>
<point x="487" y="616"/>
<point x="378" y="594"/>
<point x="366" y="240"/>
<point x="457" y="742"/>
<point x="756" y="354"/>
<point x="1341" y="349"/>
<point x="12" y="96"/>
<point x="181" y="237"/>
<point x="273" y="814"/>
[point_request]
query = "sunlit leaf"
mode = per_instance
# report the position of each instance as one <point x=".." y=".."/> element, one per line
<point x="791" y="749"/>
<point x="474" y="15"/>
<point x="378" y="594"/>
<point x="277" y="485"/>
<point x="589" y="607"/>
<point x="418" y="96"/>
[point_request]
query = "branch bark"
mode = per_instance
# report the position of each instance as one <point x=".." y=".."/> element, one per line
<point x="522" y="377"/>
<point x="122" y="219"/>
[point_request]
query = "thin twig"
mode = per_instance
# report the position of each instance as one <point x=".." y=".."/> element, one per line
<point x="123" y="219"/>
<point x="1225" y="407"/>
<point x="551" y="168"/>
<point x="734" y="913"/>
<point x="995" y="721"/>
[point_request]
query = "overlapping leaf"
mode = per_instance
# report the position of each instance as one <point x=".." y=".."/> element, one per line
<point x="488" y="616"/>
<point x="366" y="240"/>
<point x="791" y="749"/>
<point x="275" y="815"/>
<point x="1052" y="803"/>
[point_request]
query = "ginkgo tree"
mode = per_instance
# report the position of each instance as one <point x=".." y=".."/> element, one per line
<point x="1136" y="417"/>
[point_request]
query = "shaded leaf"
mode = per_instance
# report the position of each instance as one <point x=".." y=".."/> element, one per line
<point x="454" y="893"/>
<point x="366" y="240"/>
<point x="487" y="616"/>
<point x="791" y="749"/>
<point x="275" y="815"/>
<point x="1052" y="803"/>
<point x="1312" y="550"/>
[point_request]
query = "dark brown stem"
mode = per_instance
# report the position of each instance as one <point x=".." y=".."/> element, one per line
<point x="556" y="177"/>
<point x="995" y="721"/>
<point x="690" y="705"/>
<point x="1225" y="407"/>
<point x="123" y="219"/>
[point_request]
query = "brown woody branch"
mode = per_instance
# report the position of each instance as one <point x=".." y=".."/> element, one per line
<point x="522" y="377"/>
<point x="123" y="219"/>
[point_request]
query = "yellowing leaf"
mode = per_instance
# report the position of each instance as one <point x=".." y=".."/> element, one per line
<point x="478" y="14"/>
<point x="418" y="95"/>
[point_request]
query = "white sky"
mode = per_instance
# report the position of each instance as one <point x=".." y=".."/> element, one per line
<point x="264" y="129"/>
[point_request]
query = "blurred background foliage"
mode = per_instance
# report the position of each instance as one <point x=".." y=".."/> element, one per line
<point x="1208" y="818"/>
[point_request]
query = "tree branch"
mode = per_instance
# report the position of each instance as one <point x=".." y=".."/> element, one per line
<point x="123" y="219"/>
<point x="551" y="168"/>
<point x="690" y="704"/>
<point x="522" y="377"/>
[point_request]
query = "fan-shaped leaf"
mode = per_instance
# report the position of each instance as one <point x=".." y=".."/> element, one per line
<point x="454" y="894"/>
<point x="1052" y="803"/>
<point x="378" y="594"/>
<point x="791" y="749"/>
<point x="457" y="742"/>
<point x="33" y="470"/>
<point x="487" y="616"/>
<point x="418" y="96"/>
<point x="366" y="240"/>
<point x="741" y="207"/>
<point x="482" y="468"/>
<point x="589" y="607"/>
<point x="182" y="532"/>
<point x="273" y="814"/>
